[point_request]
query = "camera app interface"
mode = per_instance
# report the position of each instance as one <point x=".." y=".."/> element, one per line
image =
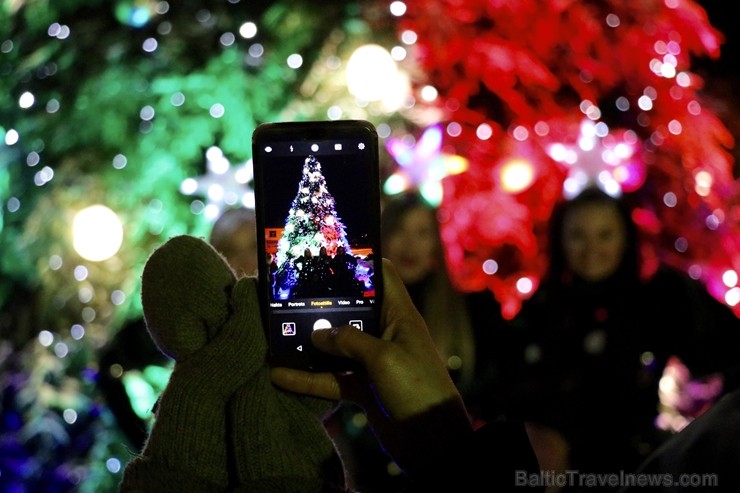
<point x="318" y="237"/>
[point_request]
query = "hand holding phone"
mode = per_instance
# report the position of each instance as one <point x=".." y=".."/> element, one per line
<point x="317" y="196"/>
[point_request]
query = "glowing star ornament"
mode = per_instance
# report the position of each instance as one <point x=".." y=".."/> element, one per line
<point x="223" y="185"/>
<point x="600" y="157"/>
<point x="422" y="165"/>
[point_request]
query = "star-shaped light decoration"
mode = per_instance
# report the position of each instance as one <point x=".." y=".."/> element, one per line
<point x="422" y="165"/>
<point x="223" y="185"/>
<point x="602" y="157"/>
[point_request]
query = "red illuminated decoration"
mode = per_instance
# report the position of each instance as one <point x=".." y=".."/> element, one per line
<point x="575" y="92"/>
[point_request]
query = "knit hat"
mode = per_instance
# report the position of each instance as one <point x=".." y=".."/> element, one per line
<point x="220" y="419"/>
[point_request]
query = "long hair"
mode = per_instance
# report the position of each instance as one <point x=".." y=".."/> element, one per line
<point x="443" y="308"/>
<point x="558" y="270"/>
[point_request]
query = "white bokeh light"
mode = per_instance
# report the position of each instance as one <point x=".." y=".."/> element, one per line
<point x="97" y="233"/>
<point x="372" y="74"/>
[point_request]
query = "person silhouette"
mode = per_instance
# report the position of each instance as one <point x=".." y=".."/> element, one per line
<point x="586" y="353"/>
<point x="305" y="266"/>
<point x="234" y="235"/>
<point x="343" y="266"/>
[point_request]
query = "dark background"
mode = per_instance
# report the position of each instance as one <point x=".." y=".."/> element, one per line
<point x="722" y="76"/>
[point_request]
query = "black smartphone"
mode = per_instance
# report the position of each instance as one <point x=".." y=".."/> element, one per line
<point x="317" y="202"/>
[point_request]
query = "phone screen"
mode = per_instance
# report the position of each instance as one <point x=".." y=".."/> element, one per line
<point x="318" y="210"/>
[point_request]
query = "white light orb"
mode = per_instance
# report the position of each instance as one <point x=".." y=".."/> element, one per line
<point x="97" y="233"/>
<point x="372" y="74"/>
<point x="517" y="175"/>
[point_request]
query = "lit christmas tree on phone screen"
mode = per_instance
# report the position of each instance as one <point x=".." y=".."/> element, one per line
<point x="312" y="223"/>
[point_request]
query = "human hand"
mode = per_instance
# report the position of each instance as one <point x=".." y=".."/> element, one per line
<point x="404" y="379"/>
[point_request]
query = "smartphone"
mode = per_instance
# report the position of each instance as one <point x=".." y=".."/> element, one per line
<point x="317" y="202"/>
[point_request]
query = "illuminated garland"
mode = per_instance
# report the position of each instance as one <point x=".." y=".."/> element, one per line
<point x="573" y="92"/>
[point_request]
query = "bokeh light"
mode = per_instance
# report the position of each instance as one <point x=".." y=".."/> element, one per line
<point x="97" y="233"/>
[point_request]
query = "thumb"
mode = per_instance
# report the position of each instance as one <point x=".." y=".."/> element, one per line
<point x="347" y="341"/>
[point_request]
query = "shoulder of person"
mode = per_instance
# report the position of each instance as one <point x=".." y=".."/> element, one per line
<point x="667" y="274"/>
<point x="709" y="444"/>
<point x="671" y="282"/>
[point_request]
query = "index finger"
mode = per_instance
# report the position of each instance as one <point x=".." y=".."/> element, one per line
<point x="324" y="385"/>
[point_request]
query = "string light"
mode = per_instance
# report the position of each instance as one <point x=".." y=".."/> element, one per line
<point x="372" y="75"/>
<point x="516" y="175"/>
<point x="97" y="233"/>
